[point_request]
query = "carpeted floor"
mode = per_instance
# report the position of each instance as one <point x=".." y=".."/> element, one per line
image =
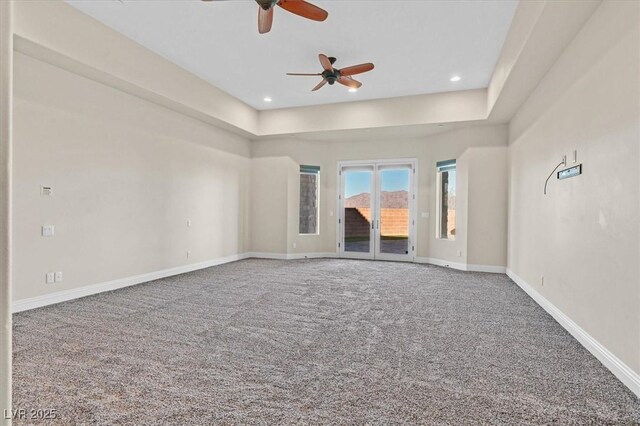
<point x="312" y="342"/>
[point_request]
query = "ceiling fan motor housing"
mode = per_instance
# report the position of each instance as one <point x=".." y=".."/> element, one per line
<point x="266" y="4"/>
<point x="331" y="77"/>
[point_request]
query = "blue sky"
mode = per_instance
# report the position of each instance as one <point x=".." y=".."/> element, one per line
<point x="359" y="182"/>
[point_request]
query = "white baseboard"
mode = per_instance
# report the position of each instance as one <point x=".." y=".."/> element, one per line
<point x="263" y="255"/>
<point x="76" y="293"/>
<point x="311" y="255"/>
<point x="290" y="256"/>
<point x="440" y="262"/>
<point x="462" y="266"/>
<point x="487" y="268"/>
<point x="626" y="375"/>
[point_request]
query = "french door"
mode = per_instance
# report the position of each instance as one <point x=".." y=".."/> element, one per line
<point x="377" y="208"/>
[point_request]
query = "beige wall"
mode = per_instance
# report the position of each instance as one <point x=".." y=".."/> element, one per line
<point x="487" y="206"/>
<point x="6" y="67"/>
<point x="126" y="176"/>
<point x="54" y="29"/>
<point x="467" y="105"/>
<point x="271" y="203"/>
<point x="583" y="237"/>
<point x="442" y="146"/>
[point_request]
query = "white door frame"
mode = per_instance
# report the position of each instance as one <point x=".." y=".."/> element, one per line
<point x="355" y="166"/>
<point x="375" y="166"/>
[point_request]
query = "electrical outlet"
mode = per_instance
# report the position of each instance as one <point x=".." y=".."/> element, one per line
<point x="459" y="253"/>
<point x="47" y="230"/>
<point x="294" y="245"/>
<point x="58" y="276"/>
<point x="188" y="253"/>
<point x="51" y="278"/>
<point x="564" y="160"/>
<point x="188" y="223"/>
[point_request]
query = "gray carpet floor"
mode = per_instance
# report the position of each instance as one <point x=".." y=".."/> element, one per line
<point x="322" y="341"/>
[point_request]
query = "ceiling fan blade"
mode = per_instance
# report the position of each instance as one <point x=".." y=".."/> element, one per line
<point x="356" y="69"/>
<point x="322" y="83"/>
<point x="304" y="9"/>
<point x="325" y="62"/>
<point x="349" y="82"/>
<point x="293" y="73"/>
<point x="265" y="20"/>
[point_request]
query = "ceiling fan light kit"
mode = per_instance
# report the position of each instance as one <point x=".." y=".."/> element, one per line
<point x="307" y="10"/>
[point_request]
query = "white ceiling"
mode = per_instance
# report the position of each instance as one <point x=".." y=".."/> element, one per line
<point x="416" y="46"/>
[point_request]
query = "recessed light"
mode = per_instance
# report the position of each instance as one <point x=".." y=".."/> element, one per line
<point x="353" y="90"/>
<point x="455" y="78"/>
<point x="268" y="99"/>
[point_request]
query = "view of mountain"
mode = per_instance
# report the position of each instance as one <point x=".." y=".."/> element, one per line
<point x="390" y="200"/>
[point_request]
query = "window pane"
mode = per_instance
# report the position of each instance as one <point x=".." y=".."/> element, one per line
<point x="357" y="211"/>
<point x="308" y="203"/>
<point x="394" y="211"/>
<point x="447" y="202"/>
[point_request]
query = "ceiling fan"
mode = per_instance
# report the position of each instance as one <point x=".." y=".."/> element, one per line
<point x="343" y="76"/>
<point x="298" y="7"/>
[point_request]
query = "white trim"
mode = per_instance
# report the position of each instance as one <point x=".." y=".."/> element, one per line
<point x="383" y="161"/>
<point x="494" y="269"/>
<point x="293" y="256"/>
<point x="462" y="266"/>
<point x="624" y="373"/>
<point x="289" y="256"/>
<point x="375" y="166"/>
<point x="264" y="255"/>
<point x="76" y="293"/>
<point x="440" y="262"/>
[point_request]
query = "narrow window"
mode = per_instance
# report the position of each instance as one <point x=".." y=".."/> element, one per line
<point x="309" y="196"/>
<point x="446" y="213"/>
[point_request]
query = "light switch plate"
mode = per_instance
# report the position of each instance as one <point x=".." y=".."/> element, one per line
<point x="46" y="190"/>
<point x="51" y="278"/>
<point x="48" y="230"/>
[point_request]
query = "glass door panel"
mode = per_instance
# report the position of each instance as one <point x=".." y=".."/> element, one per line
<point x="357" y="211"/>
<point x="394" y="210"/>
<point x="377" y="210"/>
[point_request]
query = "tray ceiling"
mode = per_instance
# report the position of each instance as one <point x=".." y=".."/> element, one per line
<point x="416" y="46"/>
